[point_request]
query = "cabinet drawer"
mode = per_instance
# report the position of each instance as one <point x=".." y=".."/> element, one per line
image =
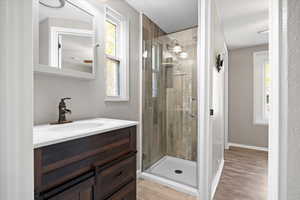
<point x="112" y="178"/>
<point x="74" y="190"/>
<point x="58" y="154"/>
<point x="126" y="193"/>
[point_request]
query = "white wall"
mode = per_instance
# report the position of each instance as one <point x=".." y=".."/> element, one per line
<point x="218" y="95"/>
<point x="242" y="130"/>
<point x="16" y="67"/>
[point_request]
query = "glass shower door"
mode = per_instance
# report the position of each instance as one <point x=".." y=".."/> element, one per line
<point x="169" y="104"/>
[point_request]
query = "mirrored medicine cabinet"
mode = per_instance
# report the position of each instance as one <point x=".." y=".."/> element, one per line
<point x="65" y="42"/>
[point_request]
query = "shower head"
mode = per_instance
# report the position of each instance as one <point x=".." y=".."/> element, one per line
<point x="61" y="4"/>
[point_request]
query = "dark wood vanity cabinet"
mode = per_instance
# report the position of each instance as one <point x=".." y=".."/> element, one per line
<point x="113" y="177"/>
<point x="98" y="167"/>
<point x="81" y="191"/>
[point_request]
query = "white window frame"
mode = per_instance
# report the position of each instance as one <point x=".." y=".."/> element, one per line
<point x="122" y="53"/>
<point x="259" y="60"/>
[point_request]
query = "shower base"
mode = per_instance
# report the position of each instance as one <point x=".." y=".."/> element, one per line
<point x="174" y="172"/>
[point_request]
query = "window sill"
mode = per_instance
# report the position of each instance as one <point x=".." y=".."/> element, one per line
<point x="109" y="99"/>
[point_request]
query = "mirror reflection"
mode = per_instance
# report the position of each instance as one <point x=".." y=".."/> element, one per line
<point x="66" y="36"/>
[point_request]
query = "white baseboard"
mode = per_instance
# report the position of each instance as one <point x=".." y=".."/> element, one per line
<point x="248" y="147"/>
<point x="227" y="146"/>
<point x="216" y="180"/>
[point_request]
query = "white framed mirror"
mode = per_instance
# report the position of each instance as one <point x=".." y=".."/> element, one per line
<point x="65" y="38"/>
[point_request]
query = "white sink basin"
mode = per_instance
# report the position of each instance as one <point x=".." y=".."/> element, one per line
<point x="44" y="135"/>
<point x="75" y="127"/>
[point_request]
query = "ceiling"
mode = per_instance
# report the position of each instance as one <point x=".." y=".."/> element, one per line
<point x="242" y="20"/>
<point x="170" y="15"/>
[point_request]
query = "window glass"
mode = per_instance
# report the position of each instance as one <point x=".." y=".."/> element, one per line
<point x="112" y="78"/>
<point x="111" y="39"/>
<point x="116" y="51"/>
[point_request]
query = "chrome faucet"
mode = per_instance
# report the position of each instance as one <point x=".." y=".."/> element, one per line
<point x="63" y="111"/>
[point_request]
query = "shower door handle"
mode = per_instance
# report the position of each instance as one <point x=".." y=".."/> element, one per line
<point x="191" y="113"/>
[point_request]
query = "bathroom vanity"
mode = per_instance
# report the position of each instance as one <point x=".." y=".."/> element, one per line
<point x="86" y="160"/>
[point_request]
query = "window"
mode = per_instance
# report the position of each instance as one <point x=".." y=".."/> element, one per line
<point x="262" y="87"/>
<point x="117" y="56"/>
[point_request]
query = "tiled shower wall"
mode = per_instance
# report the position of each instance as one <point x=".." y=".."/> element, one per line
<point x="169" y="95"/>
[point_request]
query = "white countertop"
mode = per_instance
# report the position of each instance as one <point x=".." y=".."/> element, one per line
<point x="45" y="135"/>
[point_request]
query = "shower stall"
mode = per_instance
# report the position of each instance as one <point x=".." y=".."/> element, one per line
<point x="169" y="105"/>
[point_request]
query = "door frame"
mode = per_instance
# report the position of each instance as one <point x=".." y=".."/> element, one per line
<point x="16" y="107"/>
<point x="278" y="129"/>
<point x="226" y="97"/>
<point x="278" y="120"/>
<point x="204" y="72"/>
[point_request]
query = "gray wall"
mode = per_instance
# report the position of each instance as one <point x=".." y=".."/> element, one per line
<point x="88" y="96"/>
<point x="242" y="130"/>
<point x="293" y="97"/>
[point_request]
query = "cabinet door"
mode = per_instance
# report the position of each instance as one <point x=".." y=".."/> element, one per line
<point x="81" y="191"/>
<point x="112" y="178"/>
<point x="70" y="196"/>
<point x="87" y="194"/>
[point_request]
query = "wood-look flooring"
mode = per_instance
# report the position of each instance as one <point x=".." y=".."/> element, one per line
<point x="244" y="178"/>
<point x="148" y="190"/>
<point x="244" y="175"/>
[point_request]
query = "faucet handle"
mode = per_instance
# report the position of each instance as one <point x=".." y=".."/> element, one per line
<point x="62" y="102"/>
